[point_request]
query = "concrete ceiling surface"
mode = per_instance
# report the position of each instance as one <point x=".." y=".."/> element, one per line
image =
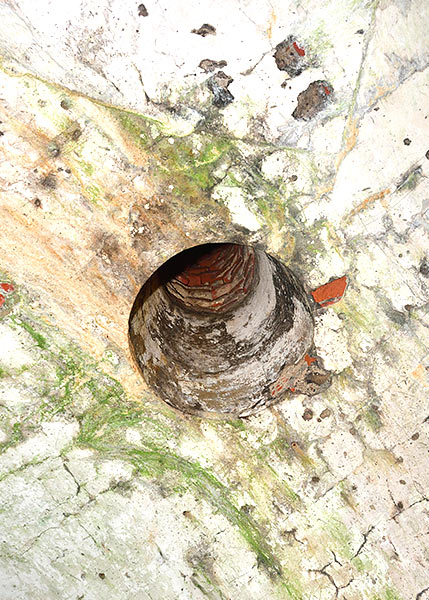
<point x="130" y="132"/>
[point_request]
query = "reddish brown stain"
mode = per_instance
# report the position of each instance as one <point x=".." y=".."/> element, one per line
<point x="300" y="51"/>
<point x="309" y="359"/>
<point x="331" y="292"/>
<point x="1" y="300"/>
<point x="7" y="287"/>
<point x="216" y="280"/>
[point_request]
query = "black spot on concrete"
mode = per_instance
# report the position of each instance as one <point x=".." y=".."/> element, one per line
<point x="315" y="480"/>
<point x="415" y="436"/>
<point x="208" y="66"/>
<point x="49" y="181"/>
<point x="360" y="31"/>
<point x="424" y="267"/>
<point x="76" y="134"/>
<point x="407" y="141"/>
<point x="396" y="316"/>
<point x="37" y="203"/>
<point x="1" y="133"/>
<point x="218" y="85"/>
<point x="53" y="150"/>
<point x="402" y="482"/>
<point x="290" y="57"/>
<point x="102" y="576"/>
<point x="427" y="154"/>
<point x="400" y="505"/>
<point x="142" y="10"/>
<point x="204" y="30"/>
<point x="312" y="100"/>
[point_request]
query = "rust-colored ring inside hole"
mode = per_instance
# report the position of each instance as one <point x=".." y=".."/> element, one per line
<point x="215" y="277"/>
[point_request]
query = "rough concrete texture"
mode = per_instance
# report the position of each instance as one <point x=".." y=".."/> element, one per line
<point x="114" y="157"/>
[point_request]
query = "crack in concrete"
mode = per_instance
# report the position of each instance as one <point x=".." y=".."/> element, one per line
<point x="323" y="571"/>
<point x="365" y="538"/>
<point x="67" y="469"/>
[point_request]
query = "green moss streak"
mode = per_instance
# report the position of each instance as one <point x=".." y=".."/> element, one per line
<point x="37" y="337"/>
<point x="206" y="485"/>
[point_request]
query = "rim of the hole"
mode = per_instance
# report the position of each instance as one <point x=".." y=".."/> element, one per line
<point x="212" y="414"/>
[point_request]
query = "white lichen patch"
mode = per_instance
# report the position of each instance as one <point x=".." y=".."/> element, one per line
<point x="235" y="199"/>
<point x="331" y="342"/>
<point x="15" y="348"/>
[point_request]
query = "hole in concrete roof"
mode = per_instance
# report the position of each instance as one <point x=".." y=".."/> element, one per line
<point x="222" y="328"/>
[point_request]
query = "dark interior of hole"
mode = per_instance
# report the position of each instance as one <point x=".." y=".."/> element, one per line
<point x="178" y="264"/>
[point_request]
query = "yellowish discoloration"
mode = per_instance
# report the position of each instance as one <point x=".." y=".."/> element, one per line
<point x="420" y="373"/>
<point x="368" y="202"/>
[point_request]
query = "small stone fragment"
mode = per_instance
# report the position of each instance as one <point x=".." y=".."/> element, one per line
<point x="208" y="66"/>
<point x="65" y="104"/>
<point x="289" y="57"/>
<point x="218" y="84"/>
<point x="325" y="413"/>
<point x="142" y="10"/>
<point x="407" y="141"/>
<point x="312" y="100"/>
<point x="424" y="267"/>
<point x="308" y="414"/>
<point x="415" y="436"/>
<point x="204" y="30"/>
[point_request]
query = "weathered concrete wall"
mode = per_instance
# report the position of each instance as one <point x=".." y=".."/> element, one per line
<point x="117" y="152"/>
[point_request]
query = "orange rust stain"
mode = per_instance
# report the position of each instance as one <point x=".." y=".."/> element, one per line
<point x="350" y="139"/>
<point x="421" y="375"/>
<point x="370" y="200"/>
<point x="309" y="359"/>
<point x="331" y="292"/>
<point x="271" y="23"/>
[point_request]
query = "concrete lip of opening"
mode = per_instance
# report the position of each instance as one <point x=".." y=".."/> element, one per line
<point x="224" y="329"/>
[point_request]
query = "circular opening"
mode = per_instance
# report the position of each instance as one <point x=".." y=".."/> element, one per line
<point x="221" y="328"/>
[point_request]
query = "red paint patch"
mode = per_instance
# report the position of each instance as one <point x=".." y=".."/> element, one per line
<point x="300" y="51"/>
<point x="309" y="359"/>
<point x="327" y="90"/>
<point x="331" y="292"/>
<point x="7" y="287"/>
<point x="1" y="300"/>
<point x="292" y="389"/>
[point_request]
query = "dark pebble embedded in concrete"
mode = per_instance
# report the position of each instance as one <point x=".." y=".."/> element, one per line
<point x="312" y="100"/>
